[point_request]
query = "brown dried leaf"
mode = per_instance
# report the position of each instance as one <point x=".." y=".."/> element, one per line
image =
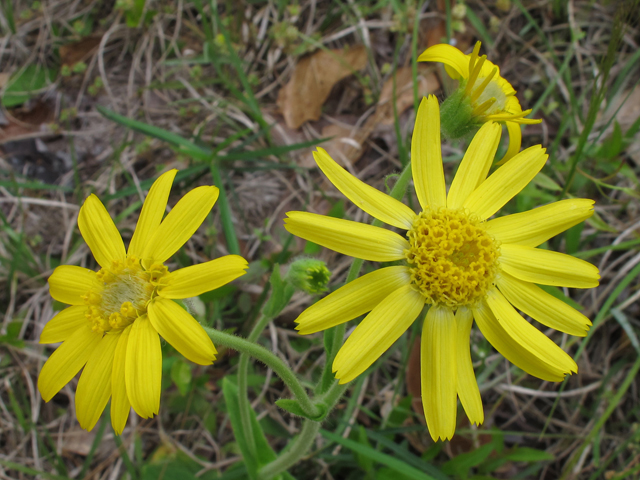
<point x="313" y="78"/>
<point x="427" y="83"/>
<point x="413" y="379"/>
<point x="25" y="120"/>
<point x="73" y="53"/>
<point x="4" y="79"/>
<point x="345" y="147"/>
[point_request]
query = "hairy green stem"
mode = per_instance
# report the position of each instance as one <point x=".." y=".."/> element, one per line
<point x="299" y="446"/>
<point x="270" y="360"/>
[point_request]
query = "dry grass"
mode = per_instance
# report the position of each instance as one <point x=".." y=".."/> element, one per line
<point x="164" y="74"/>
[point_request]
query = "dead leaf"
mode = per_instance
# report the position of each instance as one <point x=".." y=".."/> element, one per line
<point x="25" y="120"/>
<point x="73" y="53"/>
<point x="346" y="145"/>
<point x="413" y="379"/>
<point x="627" y="110"/>
<point x="79" y="442"/>
<point x="427" y="83"/>
<point x="4" y="79"/>
<point x="313" y="78"/>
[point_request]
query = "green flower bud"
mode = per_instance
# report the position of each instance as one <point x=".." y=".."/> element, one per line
<point x="309" y="275"/>
<point x="457" y="120"/>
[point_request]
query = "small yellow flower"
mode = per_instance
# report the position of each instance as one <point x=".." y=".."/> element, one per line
<point x="456" y="260"/>
<point x="112" y="328"/>
<point x="492" y="97"/>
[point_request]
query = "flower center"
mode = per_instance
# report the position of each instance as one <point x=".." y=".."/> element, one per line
<point x="452" y="259"/>
<point x="127" y="290"/>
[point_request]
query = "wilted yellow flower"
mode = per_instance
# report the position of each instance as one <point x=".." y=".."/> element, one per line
<point x="491" y="97"/>
<point x="456" y="260"/>
<point x="112" y="328"/>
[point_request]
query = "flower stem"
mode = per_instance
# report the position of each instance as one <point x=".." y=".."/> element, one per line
<point x="270" y="360"/>
<point x="294" y="453"/>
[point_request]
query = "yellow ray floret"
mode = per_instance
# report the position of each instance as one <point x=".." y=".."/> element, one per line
<point x="118" y="314"/>
<point x="457" y="261"/>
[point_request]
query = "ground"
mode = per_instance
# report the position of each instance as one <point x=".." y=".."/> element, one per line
<point x="261" y="84"/>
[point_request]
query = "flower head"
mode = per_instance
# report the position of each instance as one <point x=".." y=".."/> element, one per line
<point x="457" y="261"/>
<point x="117" y="314"/>
<point x="483" y="95"/>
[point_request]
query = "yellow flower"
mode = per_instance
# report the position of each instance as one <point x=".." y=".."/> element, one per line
<point x="117" y="313"/>
<point x="492" y="97"/>
<point x="456" y="260"/>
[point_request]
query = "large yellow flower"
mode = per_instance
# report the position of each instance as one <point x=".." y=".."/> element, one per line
<point x="117" y="313"/>
<point x="492" y="97"/>
<point x="455" y="260"/>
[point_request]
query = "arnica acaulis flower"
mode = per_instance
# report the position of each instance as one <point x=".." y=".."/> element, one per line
<point x="457" y="261"/>
<point x="116" y="315"/>
<point x="482" y="96"/>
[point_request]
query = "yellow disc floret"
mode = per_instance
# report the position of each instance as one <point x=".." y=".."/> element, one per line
<point x="452" y="259"/>
<point x="127" y="290"/>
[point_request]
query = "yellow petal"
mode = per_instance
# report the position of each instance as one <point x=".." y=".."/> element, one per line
<point x="352" y="300"/>
<point x="100" y="233"/>
<point x="545" y="308"/>
<point x="547" y="268"/>
<point x="373" y="201"/>
<point x="66" y="361"/>
<point x="120" y="405"/>
<point x="439" y="372"/>
<point x="143" y="368"/>
<point x="506" y="182"/>
<point x="475" y="165"/>
<point x="180" y="224"/>
<point x="377" y="332"/>
<point x="504" y="343"/>
<point x="68" y="283"/>
<point x="448" y="55"/>
<point x="181" y="330"/>
<point x="152" y="212"/>
<point x="64" y="324"/>
<point x="536" y="226"/>
<point x="94" y="386"/>
<point x="528" y="337"/>
<point x="467" y="385"/>
<point x="349" y="238"/>
<point x="204" y="277"/>
<point x="515" y="141"/>
<point x="426" y="156"/>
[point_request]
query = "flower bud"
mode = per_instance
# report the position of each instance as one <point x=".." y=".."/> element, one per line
<point x="309" y="275"/>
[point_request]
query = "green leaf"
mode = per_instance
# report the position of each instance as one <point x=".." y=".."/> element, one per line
<point x="328" y="378"/>
<point x="293" y="406"/>
<point x="402" y="453"/>
<point x="21" y="87"/>
<point x="365" y="462"/>
<point x="556" y="292"/>
<point x="264" y="452"/>
<point x="181" y="376"/>
<point x="379" y="457"/>
<point x="281" y="293"/>
<point x="547" y="182"/>
<point x="460" y="465"/>
<point x="526" y="454"/>
<point x="134" y="13"/>
<point x="572" y="238"/>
